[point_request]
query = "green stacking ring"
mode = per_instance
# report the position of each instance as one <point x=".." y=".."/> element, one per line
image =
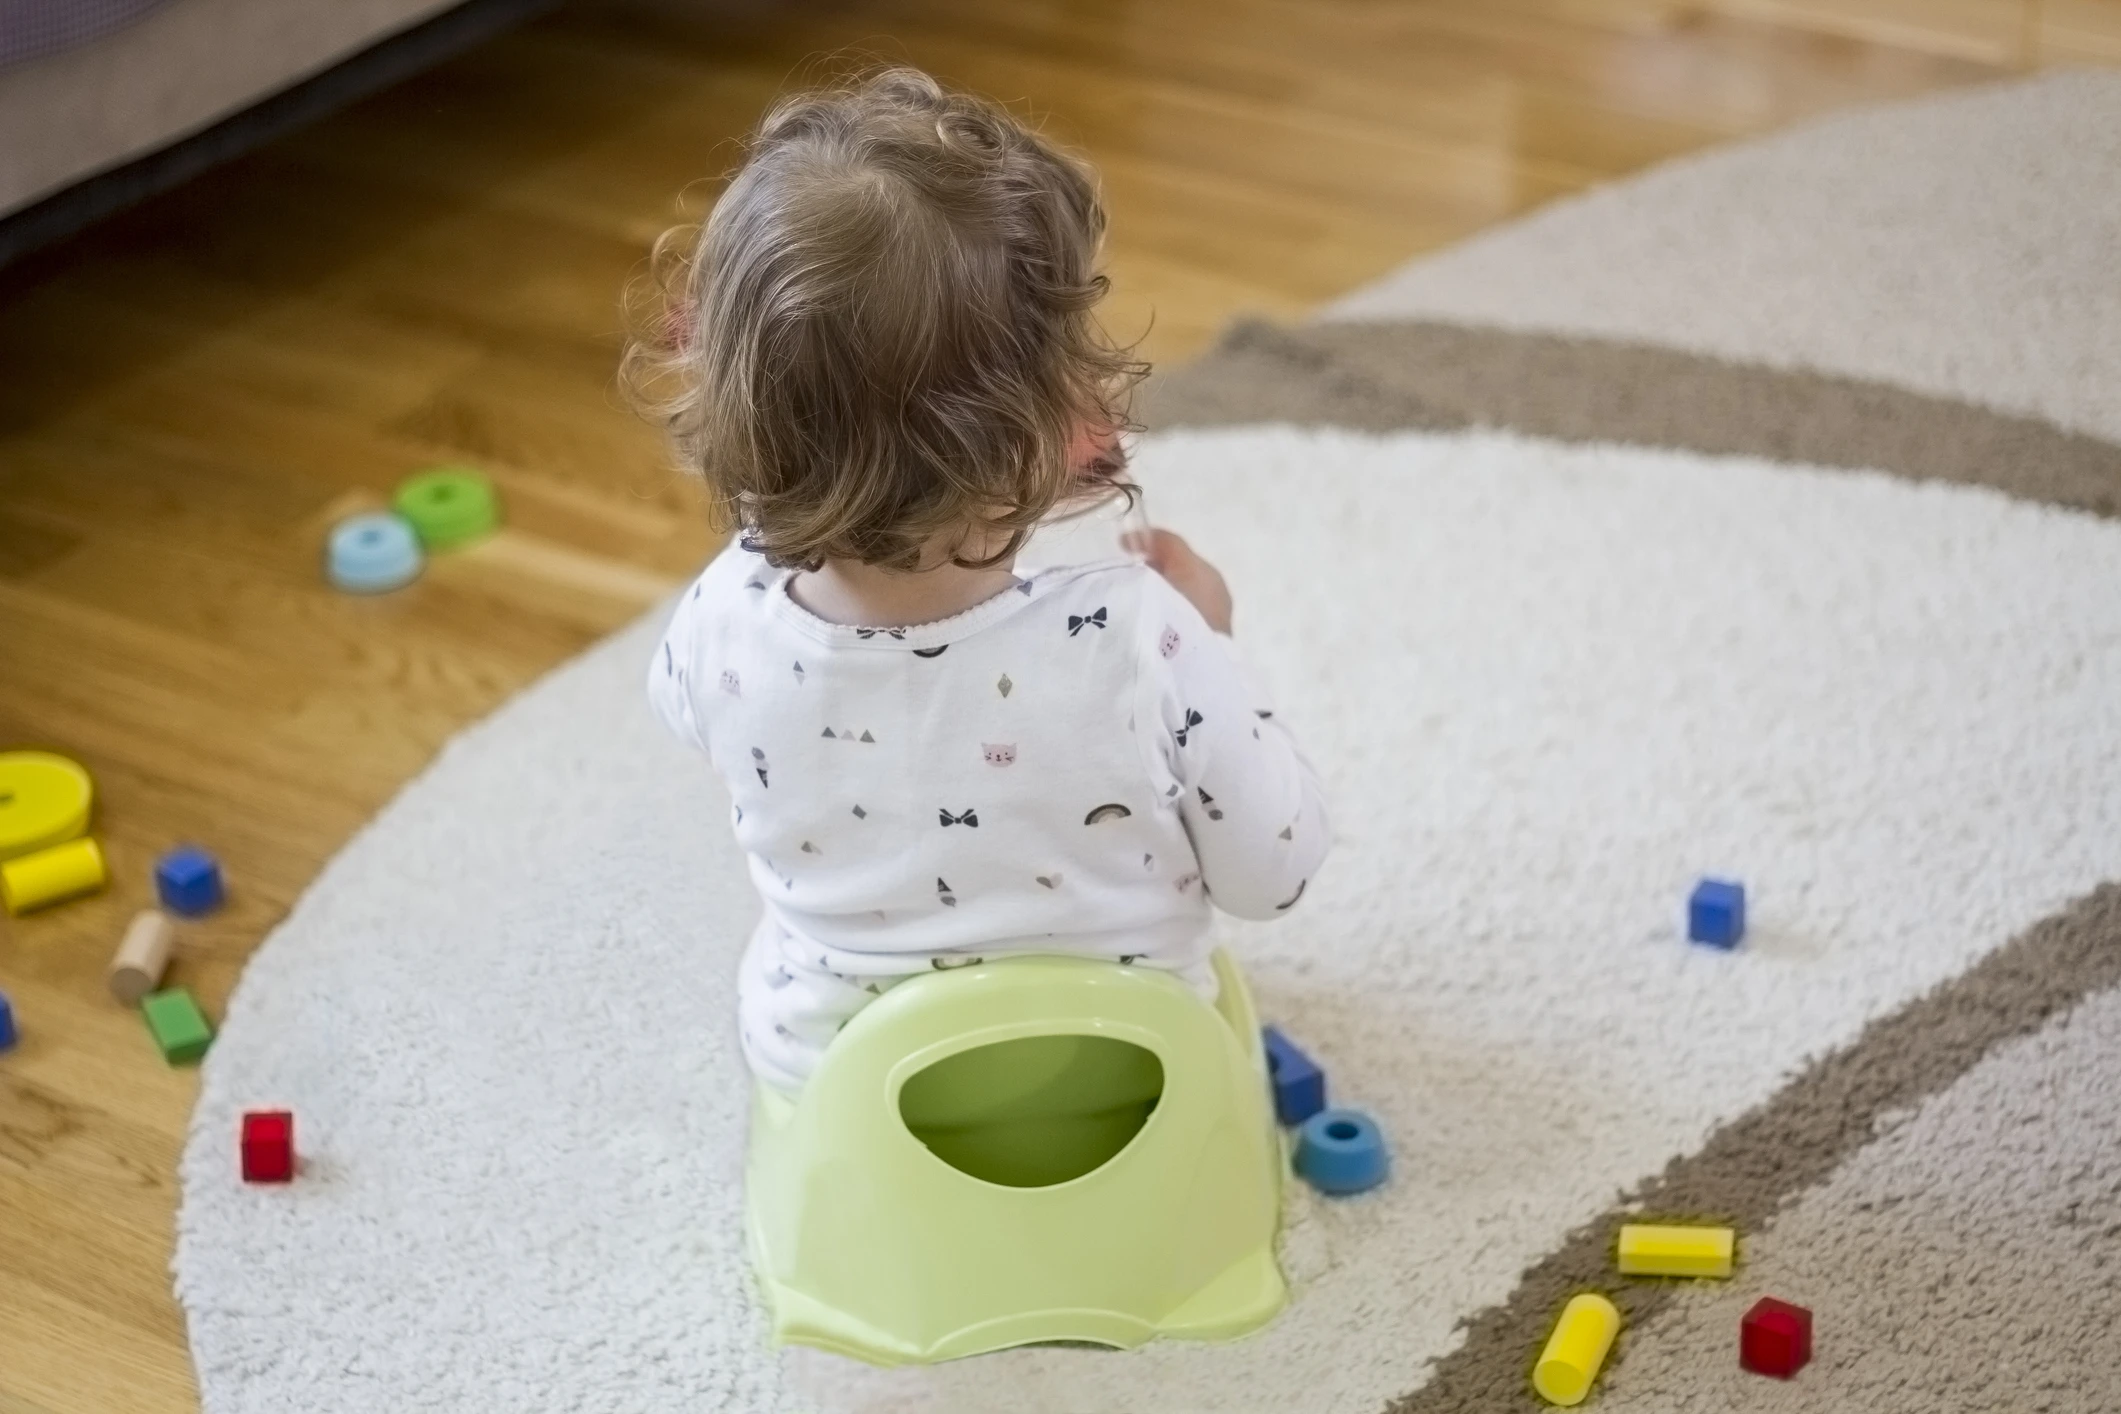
<point x="448" y="505"/>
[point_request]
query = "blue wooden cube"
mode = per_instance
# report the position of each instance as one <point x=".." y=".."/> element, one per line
<point x="1299" y="1085"/>
<point x="7" y="1023"/>
<point x="189" y="880"/>
<point x="1716" y="913"/>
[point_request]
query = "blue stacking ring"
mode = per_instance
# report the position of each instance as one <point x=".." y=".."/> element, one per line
<point x="371" y="553"/>
<point x="1341" y="1151"/>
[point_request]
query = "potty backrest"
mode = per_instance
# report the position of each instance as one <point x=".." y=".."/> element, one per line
<point x="1051" y="1147"/>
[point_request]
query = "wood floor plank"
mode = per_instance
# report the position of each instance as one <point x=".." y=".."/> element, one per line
<point x="198" y="390"/>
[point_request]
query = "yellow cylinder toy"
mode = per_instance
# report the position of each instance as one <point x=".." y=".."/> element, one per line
<point x="49" y="875"/>
<point x="1576" y="1350"/>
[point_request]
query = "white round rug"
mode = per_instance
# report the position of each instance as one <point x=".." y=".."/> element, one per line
<point x="1549" y="686"/>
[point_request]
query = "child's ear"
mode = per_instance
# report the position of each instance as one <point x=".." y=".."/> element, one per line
<point x="1095" y="452"/>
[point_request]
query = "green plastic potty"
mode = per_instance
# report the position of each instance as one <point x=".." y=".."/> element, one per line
<point x="1033" y="1149"/>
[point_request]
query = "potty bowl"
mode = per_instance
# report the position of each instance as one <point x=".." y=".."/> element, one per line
<point x="1032" y="1149"/>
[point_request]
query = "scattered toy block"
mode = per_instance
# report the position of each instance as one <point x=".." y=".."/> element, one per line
<point x="1299" y="1083"/>
<point x="142" y="957"/>
<point x="188" y="880"/>
<point x="448" y="505"/>
<point x="268" y="1146"/>
<point x="177" y="1024"/>
<point x="1576" y="1350"/>
<point x="1653" y="1250"/>
<point x="52" y="875"/>
<point x="1775" y="1338"/>
<point x="1342" y="1151"/>
<point x="1715" y="914"/>
<point x="372" y="553"/>
<point x="44" y="800"/>
<point x="8" y="1034"/>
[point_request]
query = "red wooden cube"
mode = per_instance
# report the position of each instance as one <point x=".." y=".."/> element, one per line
<point x="268" y="1146"/>
<point x="1775" y="1338"/>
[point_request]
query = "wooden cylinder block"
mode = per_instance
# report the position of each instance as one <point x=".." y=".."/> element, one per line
<point x="51" y="875"/>
<point x="142" y="957"/>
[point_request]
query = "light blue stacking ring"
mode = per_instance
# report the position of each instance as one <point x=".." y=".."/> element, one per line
<point x="371" y="553"/>
<point x="1341" y="1151"/>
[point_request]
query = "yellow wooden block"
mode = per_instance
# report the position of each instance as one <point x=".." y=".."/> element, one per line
<point x="1649" y="1250"/>
<point x="1576" y="1349"/>
<point x="44" y="800"/>
<point x="49" y="875"/>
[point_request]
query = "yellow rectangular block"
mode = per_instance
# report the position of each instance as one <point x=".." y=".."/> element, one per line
<point x="1650" y="1250"/>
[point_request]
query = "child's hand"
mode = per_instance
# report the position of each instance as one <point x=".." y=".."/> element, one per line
<point x="1170" y="556"/>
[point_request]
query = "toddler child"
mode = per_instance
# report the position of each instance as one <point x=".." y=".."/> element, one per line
<point x="886" y="369"/>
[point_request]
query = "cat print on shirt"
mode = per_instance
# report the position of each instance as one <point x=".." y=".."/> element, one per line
<point x="998" y="753"/>
<point x="1167" y="644"/>
<point x="731" y="685"/>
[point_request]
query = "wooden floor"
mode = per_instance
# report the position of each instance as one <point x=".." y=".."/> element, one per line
<point x="195" y="392"/>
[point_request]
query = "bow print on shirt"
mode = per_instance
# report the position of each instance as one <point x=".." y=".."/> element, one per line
<point x="1193" y="719"/>
<point x="1077" y="622"/>
<point x="970" y="817"/>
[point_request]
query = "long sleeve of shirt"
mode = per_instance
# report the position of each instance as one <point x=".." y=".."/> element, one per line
<point x="1250" y="802"/>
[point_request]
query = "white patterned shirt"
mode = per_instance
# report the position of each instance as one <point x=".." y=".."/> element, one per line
<point x="1077" y="765"/>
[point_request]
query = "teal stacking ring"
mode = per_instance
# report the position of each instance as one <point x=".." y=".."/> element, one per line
<point x="1341" y="1151"/>
<point x="372" y="553"/>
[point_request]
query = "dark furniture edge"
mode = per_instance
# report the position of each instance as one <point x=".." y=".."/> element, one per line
<point x="388" y="61"/>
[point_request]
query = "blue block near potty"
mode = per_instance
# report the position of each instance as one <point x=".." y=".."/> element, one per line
<point x="7" y="1023"/>
<point x="1716" y="913"/>
<point x="188" y="880"/>
<point x="1299" y="1085"/>
<point x="1341" y="1151"/>
<point x="372" y="553"/>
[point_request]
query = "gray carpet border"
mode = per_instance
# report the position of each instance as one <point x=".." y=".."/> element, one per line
<point x="1442" y="377"/>
<point x="1389" y="377"/>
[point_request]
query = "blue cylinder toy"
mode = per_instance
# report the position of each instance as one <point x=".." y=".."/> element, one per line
<point x="371" y="553"/>
<point x="1341" y="1151"/>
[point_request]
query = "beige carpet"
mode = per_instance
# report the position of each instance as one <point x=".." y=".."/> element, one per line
<point x="1932" y="291"/>
<point x="1837" y="609"/>
<point x="1964" y="246"/>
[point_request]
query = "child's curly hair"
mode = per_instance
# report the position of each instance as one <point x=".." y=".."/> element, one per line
<point x="884" y="332"/>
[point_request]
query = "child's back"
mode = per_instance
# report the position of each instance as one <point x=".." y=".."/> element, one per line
<point x="931" y="759"/>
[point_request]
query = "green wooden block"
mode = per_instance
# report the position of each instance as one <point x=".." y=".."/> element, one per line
<point x="177" y="1024"/>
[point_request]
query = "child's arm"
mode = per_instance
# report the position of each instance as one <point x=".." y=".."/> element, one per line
<point x="1251" y="803"/>
<point x="670" y="671"/>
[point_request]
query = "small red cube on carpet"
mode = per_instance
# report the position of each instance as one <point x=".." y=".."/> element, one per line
<point x="1775" y="1338"/>
<point x="268" y="1146"/>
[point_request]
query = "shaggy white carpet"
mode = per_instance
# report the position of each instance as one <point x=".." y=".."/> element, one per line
<point x="1549" y="686"/>
<point x="1967" y="245"/>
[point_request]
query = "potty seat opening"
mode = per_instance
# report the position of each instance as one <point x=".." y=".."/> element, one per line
<point x="1033" y="1111"/>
